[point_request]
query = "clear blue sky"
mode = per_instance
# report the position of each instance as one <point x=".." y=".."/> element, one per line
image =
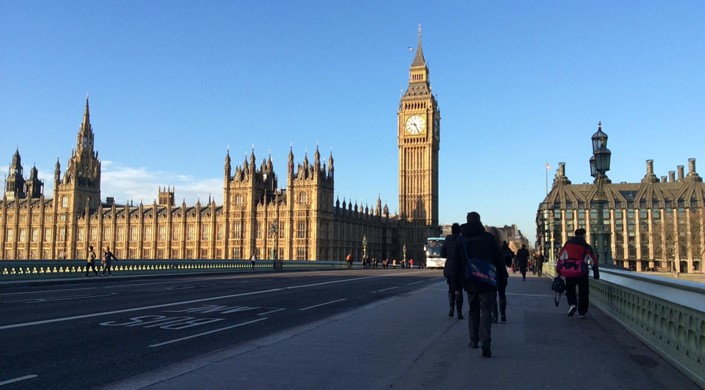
<point x="174" y="84"/>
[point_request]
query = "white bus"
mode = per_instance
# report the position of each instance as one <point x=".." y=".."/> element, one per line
<point x="433" y="252"/>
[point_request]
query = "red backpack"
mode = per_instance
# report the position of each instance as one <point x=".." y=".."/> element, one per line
<point x="573" y="260"/>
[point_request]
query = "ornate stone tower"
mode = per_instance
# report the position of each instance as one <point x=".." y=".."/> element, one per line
<point x="14" y="184"/>
<point x="79" y="189"/>
<point x="419" y="140"/>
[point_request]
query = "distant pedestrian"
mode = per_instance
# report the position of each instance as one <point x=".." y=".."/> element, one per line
<point x="348" y="260"/>
<point x="499" y="310"/>
<point x="454" y="270"/>
<point x="573" y="263"/>
<point x="411" y="263"/>
<point x="108" y="258"/>
<point x="523" y="260"/>
<point x="90" y="261"/>
<point x="253" y="260"/>
<point x="481" y="297"/>
<point x="539" y="263"/>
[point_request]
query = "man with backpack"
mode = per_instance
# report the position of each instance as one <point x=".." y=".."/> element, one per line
<point x="574" y="261"/>
<point x="481" y="246"/>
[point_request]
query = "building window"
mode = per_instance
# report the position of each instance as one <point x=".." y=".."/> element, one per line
<point x="81" y="234"/>
<point x="94" y="234"/>
<point x="301" y="229"/>
<point x="162" y="233"/>
<point x="35" y="235"/>
<point x="237" y="230"/>
<point x="205" y="233"/>
<point x="191" y="236"/>
<point x="47" y="236"/>
<point x="148" y="233"/>
<point x="219" y="231"/>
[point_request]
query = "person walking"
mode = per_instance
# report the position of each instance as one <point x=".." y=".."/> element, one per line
<point x="108" y="258"/>
<point x="348" y="260"/>
<point x="480" y="244"/>
<point x="574" y="260"/>
<point x="90" y="261"/>
<point x="454" y="270"/>
<point x="523" y="260"/>
<point x="253" y="260"/>
<point x="539" y="263"/>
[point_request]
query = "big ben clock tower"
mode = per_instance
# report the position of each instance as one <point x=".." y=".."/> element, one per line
<point x="419" y="132"/>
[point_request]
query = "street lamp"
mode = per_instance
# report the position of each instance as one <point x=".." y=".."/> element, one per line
<point x="274" y="230"/>
<point x="403" y="249"/>
<point x="364" y="246"/>
<point x="599" y="165"/>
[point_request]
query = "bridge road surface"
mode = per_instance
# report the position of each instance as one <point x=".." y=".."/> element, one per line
<point x="407" y="341"/>
<point x="399" y="338"/>
<point x="94" y="331"/>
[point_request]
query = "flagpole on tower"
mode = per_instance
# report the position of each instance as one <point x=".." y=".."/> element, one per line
<point x="547" y="168"/>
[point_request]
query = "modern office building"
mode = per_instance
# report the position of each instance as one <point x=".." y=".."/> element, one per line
<point x="654" y="224"/>
<point x="299" y="221"/>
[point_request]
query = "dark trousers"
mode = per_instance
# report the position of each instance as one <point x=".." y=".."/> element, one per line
<point x="583" y="297"/>
<point x="106" y="267"/>
<point x="502" y="302"/>
<point x="455" y="301"/>
<point x="480" y="321"/>
<point x="522" y="269"/>
<point x="91" y="266"/>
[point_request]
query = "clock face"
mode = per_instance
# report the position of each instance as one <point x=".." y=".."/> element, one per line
<point x="414" y="125"/>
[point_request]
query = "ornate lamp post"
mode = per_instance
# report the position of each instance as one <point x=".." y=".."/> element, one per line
<point x="364" y="246"/>
<point x="599" y="165"/>
<point x="403" y="249"/>
<point x="274" y="230"/>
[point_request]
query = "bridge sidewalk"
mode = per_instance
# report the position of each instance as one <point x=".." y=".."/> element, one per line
<point x="409" y="342"/>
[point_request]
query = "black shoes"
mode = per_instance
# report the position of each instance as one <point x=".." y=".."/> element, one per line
<point x="460" y="315"/>
<point x="504" y="317"/>
<point x="451" y="312"/>
<point x="486" y="352"/>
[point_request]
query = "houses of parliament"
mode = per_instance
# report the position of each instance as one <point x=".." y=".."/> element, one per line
<point x="300" y="221"/>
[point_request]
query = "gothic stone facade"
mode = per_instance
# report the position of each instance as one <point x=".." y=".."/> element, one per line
<point x="657" y="224"/>
<point x="301" y="221"/>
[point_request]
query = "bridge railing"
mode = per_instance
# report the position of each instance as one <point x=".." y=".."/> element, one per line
<point x="667" y="314"/>
<point x="48" y="269"/>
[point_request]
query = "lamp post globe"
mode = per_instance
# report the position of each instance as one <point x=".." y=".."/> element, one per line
<point x="599" y="165"/>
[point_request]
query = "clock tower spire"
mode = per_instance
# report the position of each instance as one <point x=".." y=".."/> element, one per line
<point x="418" y="130"/>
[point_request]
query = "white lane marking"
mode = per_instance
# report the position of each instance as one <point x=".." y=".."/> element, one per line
<point x="105" y="313"/>
<point x="413" y="283"/>
<point x="91" y="315"/>
<point x="56" y="299"/>
<point x="385" y="289"/>
<point x="48" y="291"/>
<point x="207" y="333"/>
<point x="323" y="304"/>
<point x="18" y="379"/>
<point x="269" y="312"/>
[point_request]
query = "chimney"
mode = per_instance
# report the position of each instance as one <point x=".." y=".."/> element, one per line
<point x="680" y="173"/>
<point x="671" y="176"/>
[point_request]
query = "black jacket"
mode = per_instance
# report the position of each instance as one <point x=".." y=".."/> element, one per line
<point x="454" y="270"/>
<point x="482" y="244"/>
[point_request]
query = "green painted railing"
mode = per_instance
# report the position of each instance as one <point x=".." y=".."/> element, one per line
<point x="48" y="269"/>
<point x="667" y="314"/>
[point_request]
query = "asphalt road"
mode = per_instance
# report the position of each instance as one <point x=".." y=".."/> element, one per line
<point x="99" y="330"/>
